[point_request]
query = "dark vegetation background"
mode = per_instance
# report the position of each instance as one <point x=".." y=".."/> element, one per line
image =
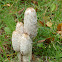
<point x="47" y="46"/>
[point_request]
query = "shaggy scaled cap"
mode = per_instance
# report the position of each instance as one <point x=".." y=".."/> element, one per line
<point x="26" y="47"/>
<point x="16" y="35"/>
<point x="19" y="27"/>
<point x="15" y="41"/>
<point x="30" y="22"/>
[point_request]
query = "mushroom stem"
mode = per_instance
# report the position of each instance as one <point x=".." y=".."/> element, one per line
<point x="19" y="56"/>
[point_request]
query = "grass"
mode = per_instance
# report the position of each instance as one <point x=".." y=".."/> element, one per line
<point x="47" y="11"/>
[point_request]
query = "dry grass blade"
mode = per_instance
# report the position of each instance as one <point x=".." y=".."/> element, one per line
<point x="42" y="23"/>
<point x="41" y="41"/>
<point x="20" y="11"/>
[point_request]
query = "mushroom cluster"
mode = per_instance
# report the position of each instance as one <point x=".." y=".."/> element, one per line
<point x="23" y="34"/>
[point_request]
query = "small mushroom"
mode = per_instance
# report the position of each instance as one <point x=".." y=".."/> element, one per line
<point x="15" y="36"/>
<point x="19" y="27"/>
<point x="15" y="41"/>
<point x="26" y="48"/>
<point x="30" y="22"/>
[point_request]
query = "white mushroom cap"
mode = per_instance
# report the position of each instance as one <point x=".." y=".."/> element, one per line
<point x="16" y="35"/>
<point x="30" y="22"/>
<point x="15" y="41"/>
<point x="19" y="27"/>
<point x="25" y="44"/>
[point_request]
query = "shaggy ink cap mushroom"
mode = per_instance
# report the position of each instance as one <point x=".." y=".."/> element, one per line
<point x="30" y="22"/>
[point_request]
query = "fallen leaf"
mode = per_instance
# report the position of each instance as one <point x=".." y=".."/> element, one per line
<point x="59" y="27"/>
<point x="20" y="11"/>
<point x="49" y="24"/>
<point x="46" y="41"/>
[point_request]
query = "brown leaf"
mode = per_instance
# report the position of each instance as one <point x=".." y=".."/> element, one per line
<point x="46" y="41"/>
<point x="20" y="11"/>
<point x="42" y="23"/>
<point x="59" y="27"/>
